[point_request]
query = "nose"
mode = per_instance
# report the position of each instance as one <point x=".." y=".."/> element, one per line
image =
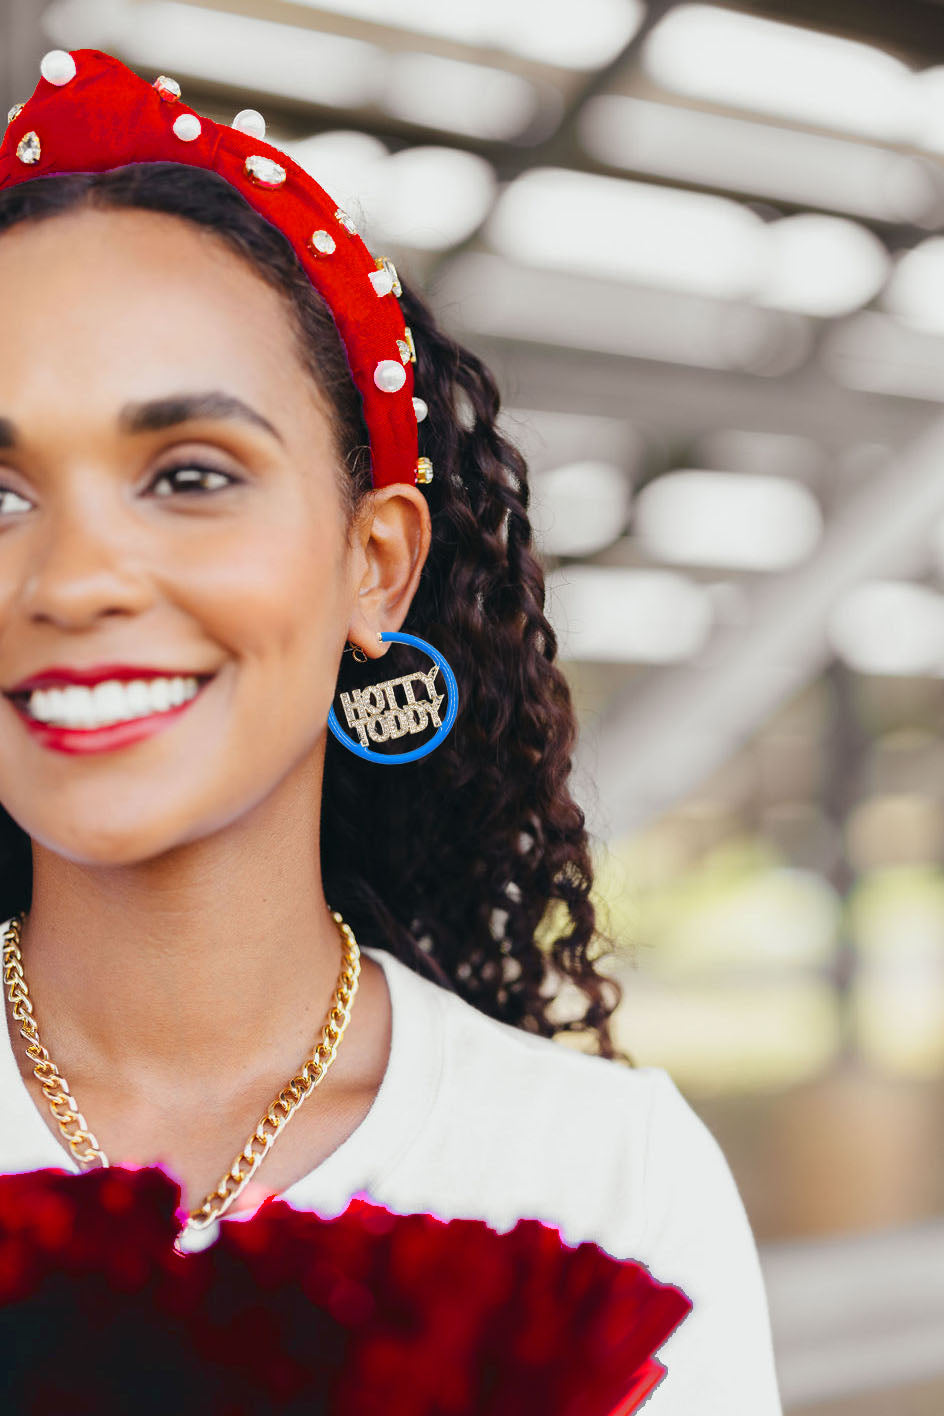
<point x="79" y="567"/>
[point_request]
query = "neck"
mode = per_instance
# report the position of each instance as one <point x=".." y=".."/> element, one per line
<point x="187" y="975"/>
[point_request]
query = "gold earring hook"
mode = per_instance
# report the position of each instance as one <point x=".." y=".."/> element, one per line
<point x="357" y="652"/>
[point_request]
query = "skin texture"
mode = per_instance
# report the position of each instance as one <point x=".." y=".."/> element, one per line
<point x="179" y="950"/>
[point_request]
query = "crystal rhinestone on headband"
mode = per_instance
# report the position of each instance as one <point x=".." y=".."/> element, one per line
<point x="90" y="113"/>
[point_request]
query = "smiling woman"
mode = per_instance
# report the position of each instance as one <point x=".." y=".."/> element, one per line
<point x="200" y="505"/>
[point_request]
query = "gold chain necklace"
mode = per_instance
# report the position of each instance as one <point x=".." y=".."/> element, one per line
<point x="75" y="1128"/>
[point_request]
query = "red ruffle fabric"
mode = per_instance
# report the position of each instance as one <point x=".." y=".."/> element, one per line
<point x="107" y="117"/>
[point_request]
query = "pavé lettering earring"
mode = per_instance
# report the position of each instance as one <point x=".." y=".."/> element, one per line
<point x="377" y="715"/>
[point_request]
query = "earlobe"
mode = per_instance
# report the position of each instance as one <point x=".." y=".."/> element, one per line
<point x="357" y="652"/>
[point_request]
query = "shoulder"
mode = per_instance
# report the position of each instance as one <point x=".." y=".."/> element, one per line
<point x="506" y="1076"/>
<point x="570" y="1134"/>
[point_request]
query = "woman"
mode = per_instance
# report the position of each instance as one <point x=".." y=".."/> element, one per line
<point x="196" y="487"/>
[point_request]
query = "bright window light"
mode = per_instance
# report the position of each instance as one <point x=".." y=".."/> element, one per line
<point x="742" y="61"/>
<point x="916" y="290"/>
<point x="260" y="56"/>
<point x="580" y="36"/>
<point x="433" y="197"/>
<point x="457" y="97"/>
<point x="728" y="519"/>
<point x="348" y="164"/>
<point x="717" y="150"/>
<point x="579" y="508"/>
<point x="632" y="231"/>
<point x="822" y="265"/>
<point x="623" y="616"/>
<point x="890" y="627"/>
<point x="427" y="197"/>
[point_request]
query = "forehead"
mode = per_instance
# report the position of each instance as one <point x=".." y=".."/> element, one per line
<point x="110" y="306"/>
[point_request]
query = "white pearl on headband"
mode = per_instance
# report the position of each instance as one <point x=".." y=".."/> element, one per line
<point x="381" y="280"/>
<point x="322" y="243"/>
<point x="187" y="127"/>
<point x="389" y="376"/>
<point x="251" y="121"/>
<point x="264" y="172"/>
<point x="420" y="409"/>
<point x="57" y="67"/>
<point x="169" y="89"/>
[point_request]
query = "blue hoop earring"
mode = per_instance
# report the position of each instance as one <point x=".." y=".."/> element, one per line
<point x="366" y="708"/>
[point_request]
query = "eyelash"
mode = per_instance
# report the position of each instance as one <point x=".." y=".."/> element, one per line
<point x="170" y="472"/>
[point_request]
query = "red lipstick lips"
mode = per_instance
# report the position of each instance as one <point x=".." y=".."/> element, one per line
<point x="75" y="740"/>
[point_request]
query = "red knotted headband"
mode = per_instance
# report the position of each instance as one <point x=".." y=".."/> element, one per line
<point x="89" y="113"/>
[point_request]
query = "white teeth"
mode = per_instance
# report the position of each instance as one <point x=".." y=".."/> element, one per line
<point x="111" y="702"/>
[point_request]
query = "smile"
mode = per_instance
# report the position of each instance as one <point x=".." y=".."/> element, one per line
<point x="112" y="715"/>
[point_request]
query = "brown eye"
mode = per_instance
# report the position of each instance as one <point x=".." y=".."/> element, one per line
<point x="194" y="476"/>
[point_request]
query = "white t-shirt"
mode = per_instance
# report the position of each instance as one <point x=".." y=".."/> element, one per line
<point x="475" y="1119"/>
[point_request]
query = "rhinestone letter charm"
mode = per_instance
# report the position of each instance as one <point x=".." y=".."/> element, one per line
<point x="264" y="172"/>
<point x="391" y="710"/>
<point x="28" y="149"/>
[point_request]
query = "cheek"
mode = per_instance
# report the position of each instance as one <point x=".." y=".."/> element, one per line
<point x="268" y="593"/>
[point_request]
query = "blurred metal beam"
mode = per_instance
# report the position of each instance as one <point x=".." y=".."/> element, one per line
<point x="22" y="45"/>
<point x="678" y="402"/>
<point x="655" y="744"/>
<point x="560" y="148"/>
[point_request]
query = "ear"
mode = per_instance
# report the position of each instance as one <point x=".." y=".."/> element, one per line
<point x="391" y="543"/>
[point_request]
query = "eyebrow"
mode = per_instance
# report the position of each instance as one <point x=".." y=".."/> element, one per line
<point x="162" y="413"/>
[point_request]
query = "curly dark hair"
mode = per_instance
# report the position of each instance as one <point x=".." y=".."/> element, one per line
<point x="466" y="854"/>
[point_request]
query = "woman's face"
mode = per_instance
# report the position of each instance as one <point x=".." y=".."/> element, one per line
<point x="113" y="323"/>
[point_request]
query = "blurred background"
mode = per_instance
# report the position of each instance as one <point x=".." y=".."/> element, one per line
<point x="699" y="245"/>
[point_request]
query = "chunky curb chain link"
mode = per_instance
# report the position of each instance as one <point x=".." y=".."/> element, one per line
<point x="279" y="1111"/>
